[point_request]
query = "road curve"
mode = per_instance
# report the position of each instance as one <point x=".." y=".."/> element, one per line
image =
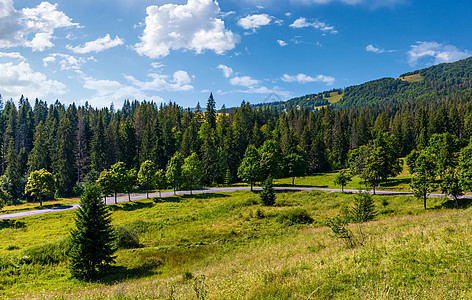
<point x="124" y="198"/>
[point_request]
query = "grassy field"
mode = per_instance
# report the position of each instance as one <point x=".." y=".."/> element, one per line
<point x="334" y="97"/>
<point x="227" y="246"/>
<point x="412" y="78"/>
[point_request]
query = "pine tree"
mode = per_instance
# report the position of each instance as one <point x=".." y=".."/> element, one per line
<point x="39" y="157"/>
<point x="92" y="240"/>
<point x="268" y="194"/>
<point x="64" y="168"/>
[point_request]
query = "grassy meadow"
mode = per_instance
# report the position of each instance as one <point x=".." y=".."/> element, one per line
<point x="228" y="246"/>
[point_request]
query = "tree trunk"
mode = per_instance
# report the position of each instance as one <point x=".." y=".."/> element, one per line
<point x="293" y="181"/>
<point x="115" y="199"/>
<point x="160" y="193"/>
<point x="424" y="201"/>
<point x="373" y="188"/>
<point x="129" y="196"/>
<point x="251" y="186"/>
<point x="40" y="200"/>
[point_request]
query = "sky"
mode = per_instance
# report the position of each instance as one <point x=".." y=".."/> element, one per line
<point x="105" y="51"/>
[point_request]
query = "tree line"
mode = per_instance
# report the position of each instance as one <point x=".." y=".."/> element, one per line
<point x="76" y="144"/>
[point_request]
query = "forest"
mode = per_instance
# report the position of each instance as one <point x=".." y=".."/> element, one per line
<point x="76" y="143"/>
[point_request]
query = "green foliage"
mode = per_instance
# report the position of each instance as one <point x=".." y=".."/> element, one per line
<point x="174" y="171"/>
<point x="249" y="170"/>
<point x="452" y="184"/>
<point x="340" y="227"/>
<point x="160" y="180"/>
<point x="423" y="181"/>
<point x="363" y="208"/>
<point x="295" y="216"/>
<point x="126" y="238"/>
<point x="267" y="194"/>
<point x="295" y="166"/>
<point x="271" y="159"/>
<point x="40" y="185"/>
<point x="92" y="240"/>
<point x="343" y="178"/>
<point x="48" y="253"/>
<point x="192" y="172"/>
<point x="146" y="174"/>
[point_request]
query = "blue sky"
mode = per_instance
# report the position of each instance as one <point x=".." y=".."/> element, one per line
<point x="105" y="51"/>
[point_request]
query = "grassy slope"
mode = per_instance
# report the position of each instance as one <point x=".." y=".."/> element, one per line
<point x="407" y="251"/>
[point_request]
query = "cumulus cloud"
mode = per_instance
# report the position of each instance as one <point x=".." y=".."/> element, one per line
<point x="98" y="45"/>
<point x="18" y="79"/>
<point x="193" y="26"/>
<point x="375" y="49"/>
<point x="303" y="23"/>
<point x="282" y="43"/>
<point x="178" y="82"/>
<point x="246" y="81"/>
<point x="31" y="27"/>
<point x="254" y="22"/>
<point x="227" y="71"/>
<point x="65" y="61"/>
<point x="303" y="78"/>
<point x="435" y="53"/>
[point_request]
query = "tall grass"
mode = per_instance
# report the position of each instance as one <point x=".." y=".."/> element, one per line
<point x="232" y="251"/>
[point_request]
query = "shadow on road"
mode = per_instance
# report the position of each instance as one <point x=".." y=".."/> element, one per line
<point x="4" y="224"/>
<point x="62" y="207"/>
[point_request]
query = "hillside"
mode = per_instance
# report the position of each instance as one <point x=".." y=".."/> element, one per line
<point x="437" y="81"/>
<point x="227" y="246"/>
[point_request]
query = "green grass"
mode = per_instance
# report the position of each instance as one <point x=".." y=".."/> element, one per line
<point x="412" y="78"/>
<point x="334" y="97"/>
<point x="245" y="251"/>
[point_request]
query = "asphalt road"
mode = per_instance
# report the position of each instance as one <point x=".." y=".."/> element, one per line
<point x="124" y="198"/>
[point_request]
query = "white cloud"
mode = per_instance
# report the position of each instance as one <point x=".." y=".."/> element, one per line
<point x="254" y="22"/>
<point x="244" y="81"/>
<point x="20" y="79"/>
<point x="282" y="43"/>
<point x="39" y="23"/>
<point x="13" y="55"/>
<point x="371" y="48"/>
<point x="288" y="14"/>
<point x="98" y="45"/>
<point x="227" y="71"/>
<point x="65" y="61"/>
<point x="179" y="82"/>
<point x="375" y="49"/>
<point x="108" y="91"/>
<point x="193" y="26"/>
<point x="302" y="23"/>
<point x="302" y="78"/>
<point x="435" y="53"/>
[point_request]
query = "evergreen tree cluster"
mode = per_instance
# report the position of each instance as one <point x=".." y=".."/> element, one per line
<point x="75" y="143"/>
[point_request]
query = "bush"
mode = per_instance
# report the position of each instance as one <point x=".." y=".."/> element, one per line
<point x="126" y="238"/>
<point x="268" y="195"/>
<point x="49" y="253"/>
<point x="295" y="216"/>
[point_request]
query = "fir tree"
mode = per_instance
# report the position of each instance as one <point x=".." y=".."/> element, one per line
<point x="268" y="194"/>
<point x="92" y="240"/>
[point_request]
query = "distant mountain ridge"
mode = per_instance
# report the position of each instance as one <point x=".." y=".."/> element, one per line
<point x="428" y="83"/>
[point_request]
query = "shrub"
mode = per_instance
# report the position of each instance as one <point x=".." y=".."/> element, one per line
<point x="295" y="216"/>
<point x="268" y="195"/>
<point x="126" y="238"/>
<point x="49" y="253"/>
<point x="11" y="247"/>
<point x="363" y="209"/>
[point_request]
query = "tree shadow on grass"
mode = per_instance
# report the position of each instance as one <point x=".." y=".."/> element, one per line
<point x="120" y="273"/>
<point x="464" y="203"/>
<point x="131" y="206"/>
<point x="393" y="182"/>
<point x="13" y="224"/>
<point x="171" y="199"/>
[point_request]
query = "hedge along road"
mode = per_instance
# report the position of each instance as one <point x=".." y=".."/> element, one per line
<point x="124" y="198"/>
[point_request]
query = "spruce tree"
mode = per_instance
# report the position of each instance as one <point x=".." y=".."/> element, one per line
<point x="268" y="195"/>
<point x="92" y="240"/>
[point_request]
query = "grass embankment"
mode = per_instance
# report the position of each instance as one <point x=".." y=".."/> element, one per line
<point x="226" y="246"/>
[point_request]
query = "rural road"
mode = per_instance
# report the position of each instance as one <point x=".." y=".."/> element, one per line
<point x="124" y="198"/>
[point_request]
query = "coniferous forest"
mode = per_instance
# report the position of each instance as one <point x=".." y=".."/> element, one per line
<point x="77" y="143"/>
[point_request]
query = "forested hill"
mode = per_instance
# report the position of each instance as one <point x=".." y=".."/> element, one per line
<point x="429" y="84"/>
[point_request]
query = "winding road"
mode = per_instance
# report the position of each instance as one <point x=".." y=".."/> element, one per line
<point x="124" y="198"/>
